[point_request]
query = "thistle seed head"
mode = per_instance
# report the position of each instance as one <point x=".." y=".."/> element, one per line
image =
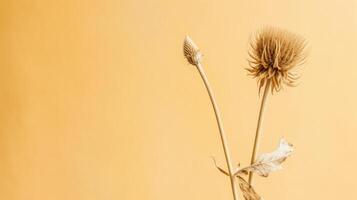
<point x="274" y="52"/>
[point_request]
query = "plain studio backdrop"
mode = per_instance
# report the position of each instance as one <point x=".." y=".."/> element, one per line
<point x="98" y="102"/>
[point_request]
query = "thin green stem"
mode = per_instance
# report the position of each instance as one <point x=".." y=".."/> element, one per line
<point x="258" y="130"/>
<point x="221" y="131"/>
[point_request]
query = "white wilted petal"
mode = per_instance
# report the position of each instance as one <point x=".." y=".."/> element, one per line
<point x="270" y="162"/>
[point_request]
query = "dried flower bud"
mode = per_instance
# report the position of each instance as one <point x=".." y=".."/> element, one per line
<point x="191" y="51"/>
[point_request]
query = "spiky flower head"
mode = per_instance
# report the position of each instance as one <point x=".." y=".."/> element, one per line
<point x="191" y="51"/>
<point x="274" y="52"/>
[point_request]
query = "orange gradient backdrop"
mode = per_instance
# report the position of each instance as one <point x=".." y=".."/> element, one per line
<point x="97" y="101"/>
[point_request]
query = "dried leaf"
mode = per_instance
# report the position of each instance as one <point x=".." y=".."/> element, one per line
<point x="247" y="190"/>
<point x="270" y="162"/>
<point x="220" y="169"/>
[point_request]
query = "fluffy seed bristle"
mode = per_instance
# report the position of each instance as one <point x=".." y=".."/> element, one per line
<point x="274" y="52"/>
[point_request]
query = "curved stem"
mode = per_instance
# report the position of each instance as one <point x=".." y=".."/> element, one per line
<point x="221" y="131"/>
<point x="258" y="130"/>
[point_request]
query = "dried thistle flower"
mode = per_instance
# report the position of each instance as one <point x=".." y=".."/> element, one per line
<point x="274" y="52"/>
<point x="191" y="51"/>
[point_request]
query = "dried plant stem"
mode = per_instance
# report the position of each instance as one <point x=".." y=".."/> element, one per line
<point x="258" y="130"/>
<point x="221" y="131"/>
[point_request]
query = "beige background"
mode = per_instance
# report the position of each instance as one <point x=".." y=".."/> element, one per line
<point x="97" y="101"/>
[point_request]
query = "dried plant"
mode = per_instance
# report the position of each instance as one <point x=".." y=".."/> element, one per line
<point x="193" y="56"/>
<point x="274" y="53"/>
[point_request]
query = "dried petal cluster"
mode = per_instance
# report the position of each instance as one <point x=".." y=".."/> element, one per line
<point x="191" y="51"/>
<point x="273" y="54"/>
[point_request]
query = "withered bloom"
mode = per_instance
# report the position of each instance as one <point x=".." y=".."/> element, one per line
<point x="274" y="52"/>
